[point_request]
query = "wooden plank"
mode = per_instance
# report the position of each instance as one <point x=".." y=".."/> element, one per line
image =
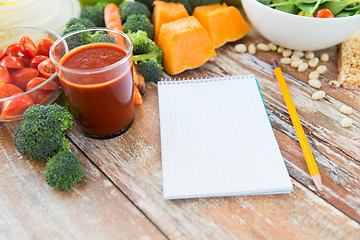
<point x="133" y="162"/>
<point x="31" y="209"/>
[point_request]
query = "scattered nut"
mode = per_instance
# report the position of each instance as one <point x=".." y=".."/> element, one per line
<point x="280" y="50"/>
<point x="240" y="48"/>
<point x="315" y="83"/>
<point x="252" y="48"/>
<point x="303" y="67"/>
<point x="346" y="122"/>
<point x="346" y="110"/>
<point x="296" y="63"/>
<point x="321" y="69"/>
<point x="285" y="60"/>
<point x="313" y="62"/>
<point x="263" y="47"/>
<point x="273" y="46"/>
<point x="314" y="75"/>
<point x="324" y="57"/>
<point x="309" y="55"/>
<point x="318" y="95"/>
<point x="295" y="57"/>
<point x="298" y="53"/>
<point x="287" y="53"/>
<point x="334" y="84"/>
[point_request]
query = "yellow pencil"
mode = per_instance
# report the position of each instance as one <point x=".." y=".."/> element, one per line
<point x="309" y="158"/>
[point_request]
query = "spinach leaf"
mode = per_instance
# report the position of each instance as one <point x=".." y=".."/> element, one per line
<point x="337" y="6"/>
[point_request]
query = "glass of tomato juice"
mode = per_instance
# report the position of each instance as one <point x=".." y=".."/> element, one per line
<point x="97" y="80"/>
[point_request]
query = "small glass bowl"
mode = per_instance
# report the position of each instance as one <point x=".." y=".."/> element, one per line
<point x="13" y="35"/>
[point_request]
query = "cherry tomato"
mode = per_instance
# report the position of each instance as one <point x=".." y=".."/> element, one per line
<point x="13" y="50"/>
<point x="2" y="53"/>
<point x="8" y="90"/>
<point x="4" y="75"/>
<point x="12" y="62"/>
<point x="27" y="47"/>
<point x="13" y="109"/>
<point x="53" y="85"/>
<point x="324" y="13"/>
<point x="47" y="68"/>
<point x="25" y="60"/>
<point x="44" y="46"/>
<point x="35" y="61"/>
<point x="22" y="76"/>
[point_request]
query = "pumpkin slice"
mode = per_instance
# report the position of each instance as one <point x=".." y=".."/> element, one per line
<point x="223" y="23"/>
<point x="165" y="12"/>
<point x="185" y="44"/>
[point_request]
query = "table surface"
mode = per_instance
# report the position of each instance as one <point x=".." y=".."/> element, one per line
<point x="121" y="194"/>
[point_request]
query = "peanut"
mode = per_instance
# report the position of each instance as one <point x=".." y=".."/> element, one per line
<point x="346" y="110"/>
<point x="315" y="83"/>
<point x="240" y="48"/>
<point x="346" y="122"/>
<point x="318" y="95"/>
<point x="263" y="47"/>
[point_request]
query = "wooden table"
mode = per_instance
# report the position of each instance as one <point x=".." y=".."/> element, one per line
<point x="121" y="194"/>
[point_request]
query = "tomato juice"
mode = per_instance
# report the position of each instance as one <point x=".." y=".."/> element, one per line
<point x="97" y="81"/>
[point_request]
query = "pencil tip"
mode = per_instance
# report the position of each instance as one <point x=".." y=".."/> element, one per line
<point x="273" y="59"/>
<point x="274" y="62"/>
<point x="317" y="181"/>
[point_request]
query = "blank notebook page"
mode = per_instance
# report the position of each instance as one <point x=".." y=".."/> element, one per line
<point x="217" y="140"/>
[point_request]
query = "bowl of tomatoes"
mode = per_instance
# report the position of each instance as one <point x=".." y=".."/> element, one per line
<point x="304" y="25"/>
<point x="27" y="75"/>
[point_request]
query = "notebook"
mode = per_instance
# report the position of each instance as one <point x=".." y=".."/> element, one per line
<point x="217" y="140"/>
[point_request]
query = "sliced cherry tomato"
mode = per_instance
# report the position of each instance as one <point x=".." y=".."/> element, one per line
<point x="22" y="76"/>
<point x="47" y="68"/>
<point x="8" y="90"/>
<point x="324" y="13"/>
<point x="44" y="46"/>
<point x="25" y="60"/>
<point x="12" y="62"/>
<point x="35" y="61"/>
<point x="53" y="85"/>
<point x="27" y="47"/>
<point x="2" y="53"/>
<point x="4" y="75"/>
<point x="13" y="50"/>
<point x="13" y="109"/>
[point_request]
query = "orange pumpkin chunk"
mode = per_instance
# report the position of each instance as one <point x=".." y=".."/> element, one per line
<point x="223" y="23"/>
<point x="165" y="12"/>
<point x="185" y="44"/>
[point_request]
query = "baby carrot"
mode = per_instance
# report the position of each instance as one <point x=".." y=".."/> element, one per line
<point x="137" y="97"/>
<point x="112" y="20"/>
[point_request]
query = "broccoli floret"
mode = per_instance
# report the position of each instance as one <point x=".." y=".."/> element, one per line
<point x="127" y="8"/>
<point x="102" y="36"/>
<point x="63" y="170"/>
<point x="78" y="39"/>
<point x="148" y="3"/>
<point x="41" y="132"/>
<point x="86" y="22"/>
<point x="147" y="55"/>
<point x="95" y="13"/>
<point x="150" y="69"/>
<point x="137" y="22"/>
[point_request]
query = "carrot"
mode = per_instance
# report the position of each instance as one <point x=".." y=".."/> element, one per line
<point x="112" y="20"/>
<point x="135" y="76"/>
<point x="137" y="97"/>
<point x="141" y="80"/>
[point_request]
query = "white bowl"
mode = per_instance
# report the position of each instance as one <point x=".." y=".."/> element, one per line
<point x="299" y="32"/>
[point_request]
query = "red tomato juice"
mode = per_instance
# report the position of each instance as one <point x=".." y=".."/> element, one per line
<point x="100" y="91"/>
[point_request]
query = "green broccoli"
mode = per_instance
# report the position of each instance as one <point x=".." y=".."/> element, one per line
<point x="78" y="39"/>
<point x="95" y="13"/>
<point x="147" y="55"/>
<point x="86" y="22"/>
<point x="127" y="8"/>
<point x="136" y="22"/>
<point x="102" y="36"/>
<point x="63" y="170"/>
<point x="41" y="132"/>
<point x="148" y="3"/>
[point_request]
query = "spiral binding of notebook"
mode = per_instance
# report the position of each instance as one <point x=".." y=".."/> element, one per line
<point x="217" y="140"/>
